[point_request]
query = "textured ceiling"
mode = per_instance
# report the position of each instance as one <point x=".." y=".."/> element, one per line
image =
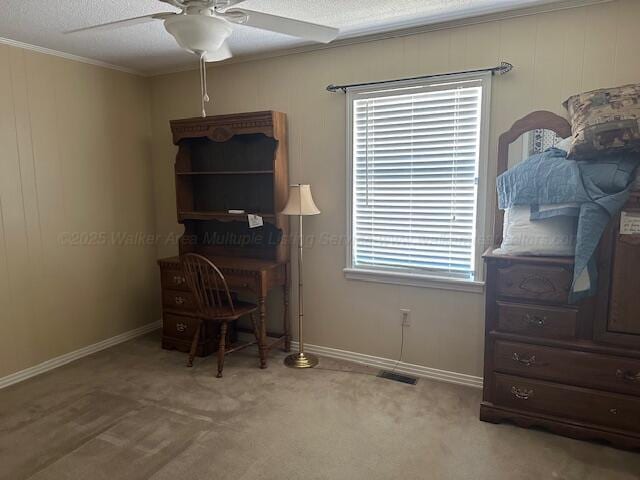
<point x="149" y="48"/>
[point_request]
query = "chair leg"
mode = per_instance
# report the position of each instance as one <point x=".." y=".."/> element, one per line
<point x="262" y="327"/>
<point x="221" y="347"/>
<point x="259" y="339"/>
<point x="194" y="344"/>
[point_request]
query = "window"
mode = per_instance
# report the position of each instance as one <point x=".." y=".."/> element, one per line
<point x="416" y="175"/>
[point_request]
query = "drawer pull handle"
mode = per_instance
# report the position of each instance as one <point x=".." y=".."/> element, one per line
<point x="535" y="320"/>
<point x="613" y="411"/>
<point x="628" y="376"/>
<point x="179" y="280"/>
<point x="181" y="327"/>
<point x="521" y="393"/>
<point x="527" y="362"/>
<point x="179" y="300"/>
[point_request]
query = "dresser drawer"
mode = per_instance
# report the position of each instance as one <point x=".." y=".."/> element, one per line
<point x="575" y="403"/>
<point x="594" y="370"/>
<point x="548" y="283"/>
<point x="537" y="321"/>
<point x="174" y="280"/>
<point x="179" y="300"/>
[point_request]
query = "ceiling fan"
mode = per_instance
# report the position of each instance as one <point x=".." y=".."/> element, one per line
<point x="203" y="26"/>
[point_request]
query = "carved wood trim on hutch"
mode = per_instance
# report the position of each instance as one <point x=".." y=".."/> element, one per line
<point x="221" y="128"/>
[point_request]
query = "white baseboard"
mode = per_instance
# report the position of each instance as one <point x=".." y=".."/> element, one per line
<point x="402" y="367"/>
<point x="369" y="360"/>
<point x="75" y="355"/>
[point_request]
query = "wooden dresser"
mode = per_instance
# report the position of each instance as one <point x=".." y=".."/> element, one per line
<point x="571" y="369"/>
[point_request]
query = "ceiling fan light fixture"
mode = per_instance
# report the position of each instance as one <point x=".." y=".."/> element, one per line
<point x="223" y="53"/>
<point x="198" y="33"/>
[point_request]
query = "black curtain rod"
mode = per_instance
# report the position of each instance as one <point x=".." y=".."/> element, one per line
<point x="503" y="68"/>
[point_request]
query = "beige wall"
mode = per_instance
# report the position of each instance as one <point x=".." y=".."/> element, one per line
<point x="74" y="157"/>
<point x="554" y="54"/>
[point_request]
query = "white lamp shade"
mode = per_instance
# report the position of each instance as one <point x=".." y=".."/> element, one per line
<point x="300" y="201"/>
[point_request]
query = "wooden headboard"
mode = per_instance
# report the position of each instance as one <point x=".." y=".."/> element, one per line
<point x="533" y="121"/>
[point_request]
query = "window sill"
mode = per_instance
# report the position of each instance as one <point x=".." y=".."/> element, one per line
<point x="413" y="280"/>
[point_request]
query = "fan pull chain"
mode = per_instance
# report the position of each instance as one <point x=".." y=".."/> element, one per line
<point x="203" y="82"/>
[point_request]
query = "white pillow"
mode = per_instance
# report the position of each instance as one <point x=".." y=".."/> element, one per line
<point x="555" y="236"/>
<point x="565" y="144"/>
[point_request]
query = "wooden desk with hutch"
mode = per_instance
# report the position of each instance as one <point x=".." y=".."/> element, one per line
<point x="229" y="162"/>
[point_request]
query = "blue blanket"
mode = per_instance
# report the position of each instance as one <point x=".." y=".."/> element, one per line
<point x="598" y="188"/>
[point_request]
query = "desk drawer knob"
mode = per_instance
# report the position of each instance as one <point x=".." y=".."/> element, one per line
<point x="613" y="411"/>
<point x="628" y="376"/>
<point x="179" y="300"/>
<point x="181" y="327"/>
<point x="535" y="320"/>
<point x="527" y="362"/>
<point x="179" y="280"/>
<point x="521" y="393"/>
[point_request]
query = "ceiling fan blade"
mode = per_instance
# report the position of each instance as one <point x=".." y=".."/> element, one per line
<point x="175" y="3"/>
<point x="288" y="26"/>
<point x="223" y="4"/>
<point x="124" y="23"/>
<point x="221" y="54"/>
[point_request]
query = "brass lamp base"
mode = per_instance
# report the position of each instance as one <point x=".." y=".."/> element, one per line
<point x="301" y="360"/>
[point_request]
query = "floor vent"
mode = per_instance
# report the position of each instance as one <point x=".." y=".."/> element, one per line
<point x="396" y="377"/>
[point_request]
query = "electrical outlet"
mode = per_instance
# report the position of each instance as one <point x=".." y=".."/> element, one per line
<point x="405" y="315"/>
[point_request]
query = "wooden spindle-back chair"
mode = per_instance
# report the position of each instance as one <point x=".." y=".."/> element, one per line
<point x="215" y="304"/>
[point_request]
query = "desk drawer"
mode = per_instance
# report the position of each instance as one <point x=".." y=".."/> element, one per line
<point x="179" y="300"/>
<point x="548" y="283"/>
<point x="537" y="321"/>
<point x="606" y="372"/>
<point x="179" y="327"/>
<point x="174" y="280"/>
<point x="574" y="403"/>
<point x="178" y="332"/>
<point x="241" y="282"/>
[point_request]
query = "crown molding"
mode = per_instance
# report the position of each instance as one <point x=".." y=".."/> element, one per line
<point x="404" y="30"/>
<point x="69" y="56"/>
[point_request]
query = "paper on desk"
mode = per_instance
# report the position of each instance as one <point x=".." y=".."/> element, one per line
<point x="629" y="223"/>
<point x="255" y="221"/>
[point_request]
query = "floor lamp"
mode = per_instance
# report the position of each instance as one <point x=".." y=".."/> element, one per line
<point x="300" y="203"/>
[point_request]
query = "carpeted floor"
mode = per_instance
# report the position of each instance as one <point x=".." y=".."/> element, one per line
<point x="136" y="412"/>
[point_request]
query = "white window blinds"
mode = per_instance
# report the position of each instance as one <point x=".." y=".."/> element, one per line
<point x="415" y="171"/>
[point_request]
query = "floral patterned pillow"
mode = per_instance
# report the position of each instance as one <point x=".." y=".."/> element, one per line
<point x="605" y="121"/>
